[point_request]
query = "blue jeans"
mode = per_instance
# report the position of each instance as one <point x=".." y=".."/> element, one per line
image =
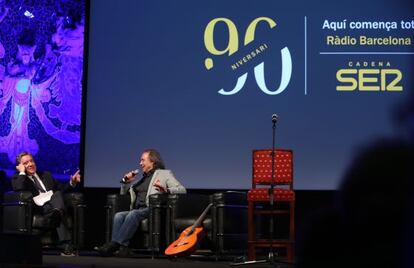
<point x="126" y="224"/>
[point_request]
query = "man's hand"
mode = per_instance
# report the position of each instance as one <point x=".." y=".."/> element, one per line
<point x="129" y="177"/>
<point x="21" y="168"/>
<point x="159" y="187"/>
<point x="75" y="178"/>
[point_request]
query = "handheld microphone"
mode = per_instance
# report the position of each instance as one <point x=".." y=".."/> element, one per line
<point x="274" y="118"/>
<point x="125" y="178"/>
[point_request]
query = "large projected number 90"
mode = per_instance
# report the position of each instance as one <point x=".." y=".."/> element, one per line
<point x="233" y="46"/>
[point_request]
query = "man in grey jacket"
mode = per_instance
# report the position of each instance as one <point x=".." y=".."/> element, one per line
<point x="155" y="180"/>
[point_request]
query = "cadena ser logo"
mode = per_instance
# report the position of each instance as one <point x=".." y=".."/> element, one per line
<point x="232" y="47"/>
<point x="369" y="76"/>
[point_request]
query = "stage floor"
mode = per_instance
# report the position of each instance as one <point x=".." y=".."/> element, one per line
<point x="147" y="262"/>
<point x="91" y="260"/>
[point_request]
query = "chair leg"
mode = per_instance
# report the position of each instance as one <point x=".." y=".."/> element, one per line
<point x="252" y="239"/>
<point x="291" y="251"/>
<point x="251" y="232"/>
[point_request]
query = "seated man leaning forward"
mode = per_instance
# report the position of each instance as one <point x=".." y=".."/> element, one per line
<point x="155" y="180"/>
<point x="47" y="195"/>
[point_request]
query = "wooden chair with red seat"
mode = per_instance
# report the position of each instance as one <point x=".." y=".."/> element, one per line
<point x="283" y="199"/>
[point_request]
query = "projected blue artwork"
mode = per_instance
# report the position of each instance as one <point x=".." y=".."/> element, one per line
<point x="41" y="61"/>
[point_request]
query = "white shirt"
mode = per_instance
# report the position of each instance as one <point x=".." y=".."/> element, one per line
<point x="35" y="177"/>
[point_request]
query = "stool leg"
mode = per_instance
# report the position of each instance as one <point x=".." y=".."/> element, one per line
<point x="251" y="232"/>
<point x="291" y="251"/>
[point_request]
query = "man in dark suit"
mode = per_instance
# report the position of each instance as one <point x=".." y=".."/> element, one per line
<point x="39" y="183"/>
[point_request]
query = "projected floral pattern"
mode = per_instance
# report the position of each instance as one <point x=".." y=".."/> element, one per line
<point x="41" y="60"/>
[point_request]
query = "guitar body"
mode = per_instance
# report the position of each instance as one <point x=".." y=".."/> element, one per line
<point x="186" y="242"/>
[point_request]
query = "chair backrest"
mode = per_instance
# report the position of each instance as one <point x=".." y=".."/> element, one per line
<point x="262" y="168"/>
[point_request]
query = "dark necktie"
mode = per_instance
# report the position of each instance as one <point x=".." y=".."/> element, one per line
<point x="37" y="184"/>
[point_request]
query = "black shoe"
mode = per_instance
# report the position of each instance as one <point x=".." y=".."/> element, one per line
<point x="108" y="249"/>
<point x="125" y="252"/>
<point x="68" y="250"/>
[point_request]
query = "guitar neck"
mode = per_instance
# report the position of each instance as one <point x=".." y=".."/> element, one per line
<point x="200" y="219"/>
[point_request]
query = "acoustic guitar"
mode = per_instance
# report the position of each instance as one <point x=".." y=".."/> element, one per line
<point x="187" y="241"/>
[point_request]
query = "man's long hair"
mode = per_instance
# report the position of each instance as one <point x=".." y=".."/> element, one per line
<point x="155" y="157"/>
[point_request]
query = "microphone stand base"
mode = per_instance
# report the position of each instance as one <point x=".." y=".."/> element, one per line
<point x="269" y="261"/>
<point x="247" y="262"/>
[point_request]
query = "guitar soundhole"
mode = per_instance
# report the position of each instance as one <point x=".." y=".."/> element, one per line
<point x="181" y="244"/>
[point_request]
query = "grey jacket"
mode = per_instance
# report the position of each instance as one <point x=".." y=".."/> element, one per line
<point x="166" y="179"/>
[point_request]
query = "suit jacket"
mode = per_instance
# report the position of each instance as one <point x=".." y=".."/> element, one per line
<point x="24" y="183"/>
<point x="164" y="177"/>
